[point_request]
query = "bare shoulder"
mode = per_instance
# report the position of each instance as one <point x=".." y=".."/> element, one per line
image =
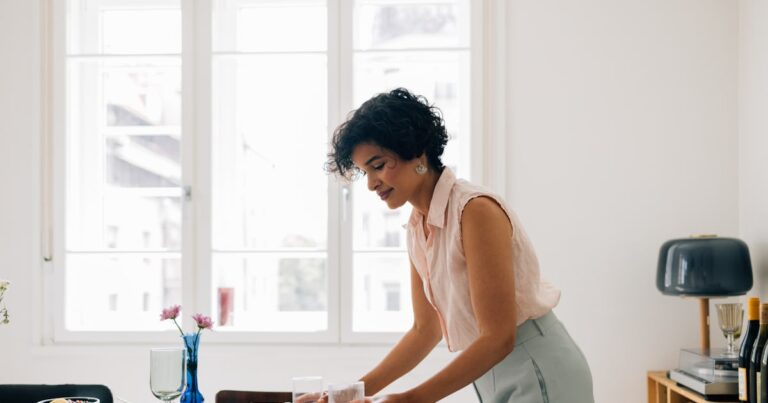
<point x="484" y="213"/>
<point x="483" y="208"/>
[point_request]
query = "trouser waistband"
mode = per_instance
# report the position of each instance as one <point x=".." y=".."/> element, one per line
<point x="535" y="327"/>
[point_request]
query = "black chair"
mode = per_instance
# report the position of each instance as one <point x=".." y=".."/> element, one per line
<point x="238" y="396"/>
<point x="36" y="393"/>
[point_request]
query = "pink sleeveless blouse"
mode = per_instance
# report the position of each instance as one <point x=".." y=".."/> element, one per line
<point x="442" y="266"/>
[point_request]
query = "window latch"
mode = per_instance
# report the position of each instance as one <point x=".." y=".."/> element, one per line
<point x="344" y="202"/>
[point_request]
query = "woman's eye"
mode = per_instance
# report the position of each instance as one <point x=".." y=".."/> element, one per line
<point x="378" y="167"/>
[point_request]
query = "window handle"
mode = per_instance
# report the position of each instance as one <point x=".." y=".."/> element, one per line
<point x="187" y="193"/>
<point x="344" y="202"/>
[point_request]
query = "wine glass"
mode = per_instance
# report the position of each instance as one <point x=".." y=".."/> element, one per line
<point x="730" y="317"/>
<point x="166" y="372"/>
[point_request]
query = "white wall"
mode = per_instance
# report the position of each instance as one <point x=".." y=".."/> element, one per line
<point x="622" y="133"/>
<point x="753" y="135"/>
<point x="624" y="136"/>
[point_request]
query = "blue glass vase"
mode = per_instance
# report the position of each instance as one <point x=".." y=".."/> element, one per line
<point x="192" y="393"/>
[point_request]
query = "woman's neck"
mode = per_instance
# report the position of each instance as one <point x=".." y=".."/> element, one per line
<point x="423" y="196"/>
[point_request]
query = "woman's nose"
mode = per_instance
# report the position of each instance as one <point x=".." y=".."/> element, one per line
<point x="372" y="183"/>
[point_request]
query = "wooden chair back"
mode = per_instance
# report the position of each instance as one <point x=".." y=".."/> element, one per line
<point x="241" y="396"/>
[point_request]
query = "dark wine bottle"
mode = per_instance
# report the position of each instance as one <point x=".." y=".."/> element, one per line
<point x="762" y="381"/>
<point x="757" y="355"/>
<point x="753" y="327"/>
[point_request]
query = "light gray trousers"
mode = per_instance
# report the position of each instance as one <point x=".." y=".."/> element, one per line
<point x="546" y="366"/>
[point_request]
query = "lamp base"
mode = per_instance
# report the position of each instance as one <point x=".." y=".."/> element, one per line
<point x="704" y="323"/>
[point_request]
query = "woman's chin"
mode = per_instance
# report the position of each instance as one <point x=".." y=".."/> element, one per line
<point x="393" y="204"/>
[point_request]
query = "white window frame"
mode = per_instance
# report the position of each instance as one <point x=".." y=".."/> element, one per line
<point x="488" y="73"/>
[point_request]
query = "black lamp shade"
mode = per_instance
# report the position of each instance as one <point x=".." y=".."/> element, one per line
<point x="704" y="267"/>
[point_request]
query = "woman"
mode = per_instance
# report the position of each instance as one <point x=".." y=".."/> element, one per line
<point x="474" y="274"/>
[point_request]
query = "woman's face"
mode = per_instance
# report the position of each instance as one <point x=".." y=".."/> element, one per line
<point x="394" y="180"/>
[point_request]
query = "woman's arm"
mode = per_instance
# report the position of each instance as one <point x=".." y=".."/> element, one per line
<point x="412" y="347"/>
<point x="487" y="240"/>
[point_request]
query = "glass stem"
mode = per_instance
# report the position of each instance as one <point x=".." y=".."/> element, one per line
<point x="730" y="343"/>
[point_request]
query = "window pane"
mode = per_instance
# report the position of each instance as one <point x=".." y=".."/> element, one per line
<point x="271" y="292"/>
<point x="123" y="155"/>
<point x="120" y="292"/>
<point x="270" y="26"/>
<point x="145" y="93"/>
<point x="382" y="293"/>
<point x="403" y="25"/>
<point x="269" y="146"/>
<point x="110" y="26"/>
<point x="123" y="164"/>
<point x="143" y="161"/>
<point x="136" y="222"/>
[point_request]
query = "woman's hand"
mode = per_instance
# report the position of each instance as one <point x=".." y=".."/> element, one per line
<point x="311" y="398"/>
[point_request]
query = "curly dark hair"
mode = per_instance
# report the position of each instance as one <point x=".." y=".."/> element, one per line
<point x="398" y="121"/>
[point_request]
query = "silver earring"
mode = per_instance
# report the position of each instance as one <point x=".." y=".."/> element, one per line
<point x="421" y="169"/>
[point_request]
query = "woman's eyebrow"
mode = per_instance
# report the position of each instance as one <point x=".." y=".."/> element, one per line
<point x="375" y="157"/>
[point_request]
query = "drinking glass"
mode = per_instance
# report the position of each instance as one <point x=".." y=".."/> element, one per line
<point x="345" y="393"/>
<point x="307" y="389"/>
<point x="166" y="372"/>
<point x="730" y="317"/>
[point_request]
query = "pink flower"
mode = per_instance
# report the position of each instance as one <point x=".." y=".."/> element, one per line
<point x="170" y="313"/>
<point x="203" y="322"/>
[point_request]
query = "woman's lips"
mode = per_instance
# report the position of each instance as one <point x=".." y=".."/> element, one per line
<point x="384" y="195"/>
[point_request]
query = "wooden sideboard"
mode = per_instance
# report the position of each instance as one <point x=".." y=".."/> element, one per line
<point x="661" y="389"/>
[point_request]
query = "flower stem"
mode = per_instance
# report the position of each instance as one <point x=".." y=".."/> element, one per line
<point x="178" y="327"/>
